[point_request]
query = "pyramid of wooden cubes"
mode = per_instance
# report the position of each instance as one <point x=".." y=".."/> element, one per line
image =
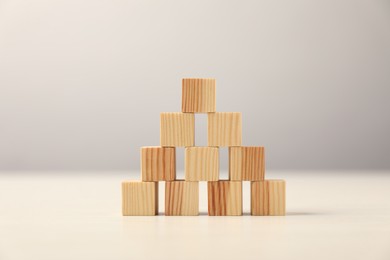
<point x="158" y="163"/>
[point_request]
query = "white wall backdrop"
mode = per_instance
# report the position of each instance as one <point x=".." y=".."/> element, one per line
<point x="82" y="83"/>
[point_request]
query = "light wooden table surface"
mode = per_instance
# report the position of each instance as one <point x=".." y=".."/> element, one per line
<point x="331" y="215"/>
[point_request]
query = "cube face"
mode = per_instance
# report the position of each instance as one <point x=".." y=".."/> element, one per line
<point x="198" y="95"/>
<point x="177" y="129"/>
<point x="181" y="198"/>
<point x="268" y="198"/>
<point x="224" y="129"/>
<point x="158" y="163"/>
<point x="225" y="198"/>
<point x="246" y="163"/>
<point x="139" y="198"/>
<point x="201" y="164"/>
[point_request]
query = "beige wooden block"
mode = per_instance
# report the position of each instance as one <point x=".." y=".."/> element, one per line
<point x="224" y="129"/>
<point x="246" y="163"/>
<point x="181" y="198"/>
<point x="177" y="129"/>
<point x="201" y="164"/>
<point x="158" y="163"/>
<point x="198" y="96"/>
<point x="139" y="198"/>
<point x="268" y="198"/>
<point x="225" y="198"/>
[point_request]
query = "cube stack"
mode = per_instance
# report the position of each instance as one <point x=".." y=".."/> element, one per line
<point x="158" y="163"/>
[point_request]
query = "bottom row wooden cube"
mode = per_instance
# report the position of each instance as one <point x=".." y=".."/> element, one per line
<point x="268" y="198"/>
<point x="224" y="198"/>
<point x="182" y="198"/>
<point x="139" y="198"/>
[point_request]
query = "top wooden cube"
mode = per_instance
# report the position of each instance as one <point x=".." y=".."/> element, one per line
<point x="198" y="96"/>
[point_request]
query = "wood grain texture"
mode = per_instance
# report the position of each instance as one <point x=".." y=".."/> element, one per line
<point x="201" y="164"/>
<point x="224" y="129"/>
<point x="246" y="163"/>
<point x="225" y="198"/>
<point x="177" y="129"/>
<point x="268" y="198"/>
<point x="139" y="198"/>
<point x="181" y="198"/>
<point x="198" y="95"/>
<point x="158" y="163"/>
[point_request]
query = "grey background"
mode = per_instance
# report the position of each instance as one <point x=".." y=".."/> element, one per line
<point x="82" y="83"/>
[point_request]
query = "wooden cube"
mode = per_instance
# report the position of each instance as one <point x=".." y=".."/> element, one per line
<point x="198" y="96"/>
<point x="158" y="163"/>
<point x="181" y="198"/>
<point x="246" y="163"/>
<point x="177" y="129"/>
<point x="268" y="198"/>
<point x="225" y="198"/>
<point x="224" y="129"/>
<point x="139" y="198"/>
<point x="201" y="164"/>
